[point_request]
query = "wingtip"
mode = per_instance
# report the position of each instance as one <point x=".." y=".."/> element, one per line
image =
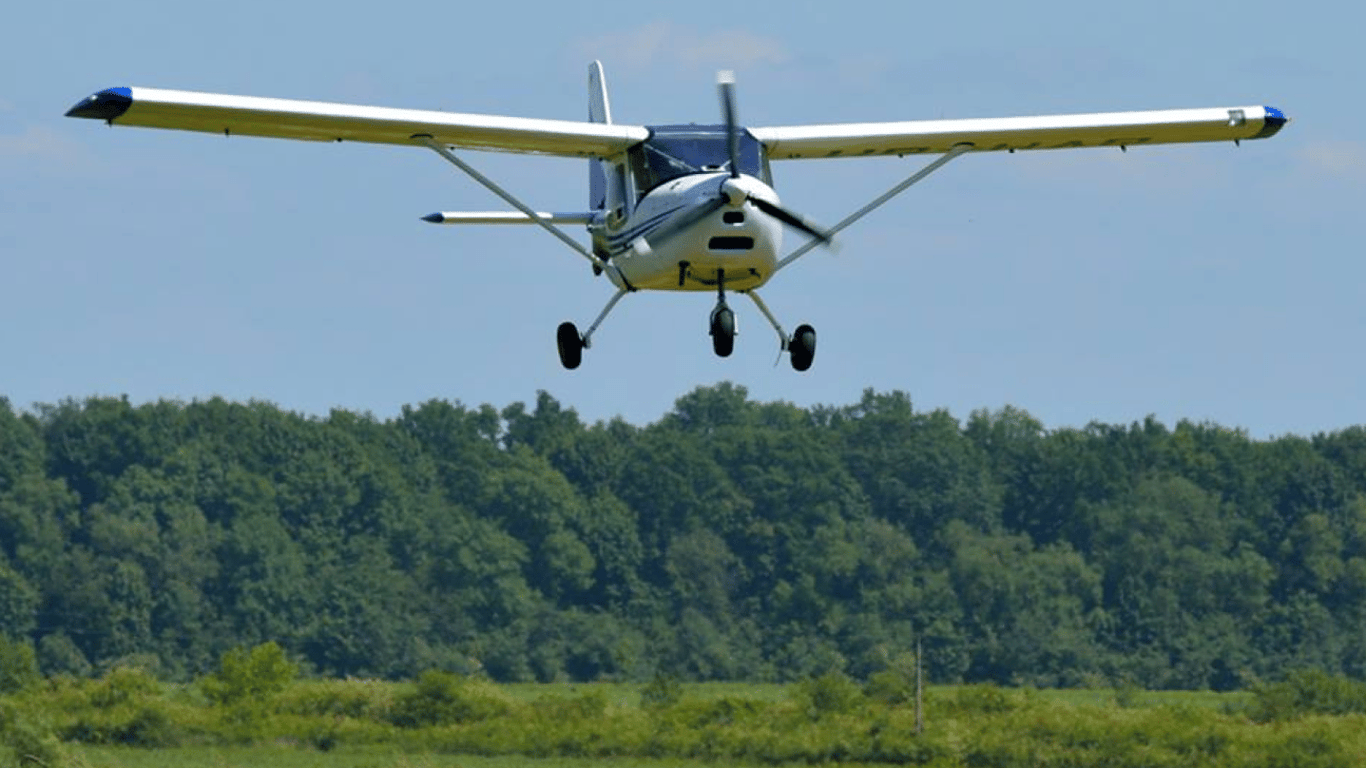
<point x="1274" y="121"/>
<point x="434" y="218"/>
<point x="109" y="104"/>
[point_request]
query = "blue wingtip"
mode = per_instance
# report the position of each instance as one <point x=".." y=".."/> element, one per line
<point x="1274" y="121"/>
<point x="434" y="218"/>
<point x="109" y="104"/>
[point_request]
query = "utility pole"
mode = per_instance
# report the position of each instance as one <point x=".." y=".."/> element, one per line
<point x="919" y="691"/>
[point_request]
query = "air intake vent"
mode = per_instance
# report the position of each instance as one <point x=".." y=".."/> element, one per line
<point x="730" y="243"/>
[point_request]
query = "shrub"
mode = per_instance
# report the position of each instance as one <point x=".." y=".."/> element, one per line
<point x="18" y="666"/>
<point x="983" y="699"/>
<point x="121" y="686"/>
<point x="661" y="692"/>
<point x="831" y="693"/>
<point x="25" y="742"/>
<point x="250" y="676"/>
<point x="442" y="698"/>
<point x="148" y="725"/>
<point x="335" y="698"/>
<point x="1307" y="692"/>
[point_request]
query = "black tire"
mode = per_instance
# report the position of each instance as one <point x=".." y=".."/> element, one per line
<point x="570" y="343"/>
<point x="803" y="347"/>
<point x="723" y="332"/>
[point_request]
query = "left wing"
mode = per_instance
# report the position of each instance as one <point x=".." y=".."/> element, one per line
<point x="1108" y="129"/>
<point x="323" y="121"/>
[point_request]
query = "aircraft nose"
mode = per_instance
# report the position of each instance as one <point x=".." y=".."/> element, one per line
<point x="105" y="105"/>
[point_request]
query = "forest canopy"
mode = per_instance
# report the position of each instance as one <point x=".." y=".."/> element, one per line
<point x="731" y="539"/>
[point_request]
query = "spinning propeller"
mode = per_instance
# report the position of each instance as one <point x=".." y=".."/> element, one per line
<point x="734" y="191"/>
<point x="725" y="84"/>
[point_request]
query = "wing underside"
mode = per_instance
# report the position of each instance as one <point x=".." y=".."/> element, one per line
<point x="1122" y="129"/>
<point x="323" y="121"/>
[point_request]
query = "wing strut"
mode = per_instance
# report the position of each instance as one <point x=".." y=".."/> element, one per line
<point x="535" y="217"/>
<point x="953" y="152"/>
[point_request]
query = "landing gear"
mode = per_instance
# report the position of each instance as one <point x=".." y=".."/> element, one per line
<point x="722" y="320"/>
<point x="800" y="347"/>
<point x="722" y="331"/>
<point x="571" y="345"/>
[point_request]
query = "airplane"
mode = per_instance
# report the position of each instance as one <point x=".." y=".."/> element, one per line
<point x="672" y="207"/>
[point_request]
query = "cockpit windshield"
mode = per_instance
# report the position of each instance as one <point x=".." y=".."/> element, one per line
<point x="678" y="150"/>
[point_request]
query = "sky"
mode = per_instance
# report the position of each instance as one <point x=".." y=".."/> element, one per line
<point x="1207" y="282"/>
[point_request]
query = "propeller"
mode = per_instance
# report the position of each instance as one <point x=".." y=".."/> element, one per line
<point x="725" y="85"/>
<point x="733" y="190"/>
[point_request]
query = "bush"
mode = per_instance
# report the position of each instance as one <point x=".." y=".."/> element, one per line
<point x="442" y="698"/>
<point x="250" y="676"/>
<point x="122" y="686"/>
<point x="1308" y="692"/>
<point x="831" y="693"/>
<point x="661" y="692"/>
<point x="25" y="742"/>
<point x="18" y="666"/>
<point x="148" y="725"/>
<point x="335" y="698"/>
<point x="983" y="699"/>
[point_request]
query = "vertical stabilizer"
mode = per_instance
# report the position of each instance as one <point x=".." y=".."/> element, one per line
<point x="599" y="111"/>
<point x="599" y="108"/>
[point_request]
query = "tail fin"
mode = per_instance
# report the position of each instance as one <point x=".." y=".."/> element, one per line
<point x="599" y="111"/>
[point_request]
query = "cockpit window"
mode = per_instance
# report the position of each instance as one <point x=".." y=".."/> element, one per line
<point x="678" y="150"/>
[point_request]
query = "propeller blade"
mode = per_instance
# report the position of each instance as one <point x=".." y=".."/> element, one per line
<point x="792" y="220"/>
<point x="725" y="84"/>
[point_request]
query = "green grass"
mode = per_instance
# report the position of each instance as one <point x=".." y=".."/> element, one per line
<point x="284" y="756"/>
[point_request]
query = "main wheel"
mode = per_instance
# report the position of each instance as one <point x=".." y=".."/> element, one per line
<point x="570" y="343"/>
<point x="803" y="347"/>
<point x="723" y="331"/>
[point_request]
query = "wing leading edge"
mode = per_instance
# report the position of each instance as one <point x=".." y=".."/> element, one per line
<point x="324" y="121"/>
<point x="1122" y="129"/>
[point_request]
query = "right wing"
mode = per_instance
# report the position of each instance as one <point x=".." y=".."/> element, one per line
<point x="1109" y="129"/>
<point x="323" y="121"/>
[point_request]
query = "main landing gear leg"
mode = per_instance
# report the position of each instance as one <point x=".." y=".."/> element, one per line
<point x="800" y="346"/>
<point x="571" y="344"/>
<point x="723" y="328"/>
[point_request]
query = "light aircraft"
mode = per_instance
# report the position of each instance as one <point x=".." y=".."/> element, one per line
<point x="671" y="207"/>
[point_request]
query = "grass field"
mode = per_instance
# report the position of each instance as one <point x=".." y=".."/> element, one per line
<point x="277" y="756"/>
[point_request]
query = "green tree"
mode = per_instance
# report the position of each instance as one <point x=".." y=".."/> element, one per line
<point x="250" y="677"/>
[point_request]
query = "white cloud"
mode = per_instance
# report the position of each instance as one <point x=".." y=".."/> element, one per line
<point x="35" y="141"/>
<point x="663" y="43"/>
<point x="41" y="146"/>
<point x="1335" y="158"/>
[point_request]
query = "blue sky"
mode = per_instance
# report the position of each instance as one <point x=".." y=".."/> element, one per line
<point x="1205" y="282"/>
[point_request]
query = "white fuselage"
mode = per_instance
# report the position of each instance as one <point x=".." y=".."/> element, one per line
<point x="736" y="242"/>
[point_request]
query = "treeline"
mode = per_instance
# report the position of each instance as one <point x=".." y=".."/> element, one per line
<point x="731" y="539"/>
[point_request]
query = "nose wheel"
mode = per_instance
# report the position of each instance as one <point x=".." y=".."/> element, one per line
<point x="722" y="330"/>
<point x="722" y="320"/>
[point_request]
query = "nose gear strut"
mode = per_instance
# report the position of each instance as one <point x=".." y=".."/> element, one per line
<point x="723" y="327"/>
